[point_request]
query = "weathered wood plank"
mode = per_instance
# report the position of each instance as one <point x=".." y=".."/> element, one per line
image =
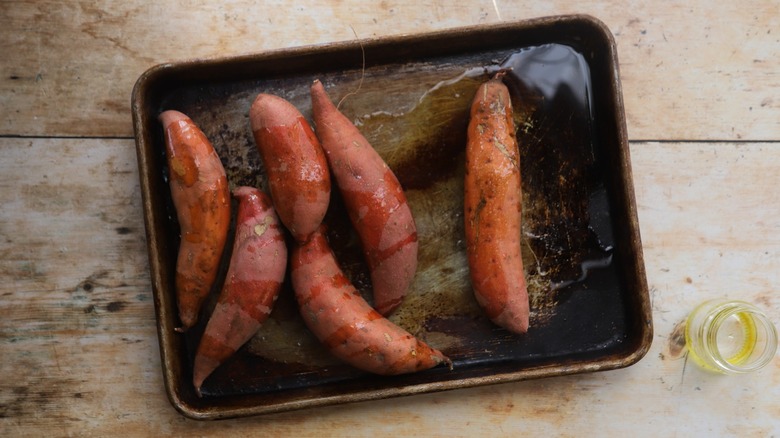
<point x="79" y="349"/>
<point x="77" y="334"/>
<point x="692" y="70"/>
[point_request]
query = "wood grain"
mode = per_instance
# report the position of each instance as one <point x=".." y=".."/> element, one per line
<point x="693" y="70"/>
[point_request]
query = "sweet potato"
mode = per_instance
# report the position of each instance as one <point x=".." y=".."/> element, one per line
<point x="340" y="318"/>
<point x="297" y="169"/>
<point x="374" y="199"/>
<point x="257" y="267"/>
<point x="201" y="198"/>
<point x="493" y="209"/>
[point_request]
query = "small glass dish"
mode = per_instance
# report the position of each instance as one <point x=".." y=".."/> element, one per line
<point x="730" y="337"/>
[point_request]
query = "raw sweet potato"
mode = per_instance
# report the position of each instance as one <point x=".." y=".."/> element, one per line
<point x="374" y="199"/>
<point x="201" y="197"/>
<point x="493" y="209"/>
<point x="296" y="166"/>
<point x="257" y="267"/>
<point x="340" y="318"/>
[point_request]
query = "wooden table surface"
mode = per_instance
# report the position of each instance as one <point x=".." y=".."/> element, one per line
<point x="78" y="346"/>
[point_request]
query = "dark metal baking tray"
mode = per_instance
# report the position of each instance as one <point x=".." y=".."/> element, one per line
<point x="410" y="96"/>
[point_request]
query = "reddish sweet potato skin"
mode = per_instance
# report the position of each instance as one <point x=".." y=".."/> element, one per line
<point x="295" y="163"/>
<point x="493" y="209"/>
<point x="375" y="200"/>
<point x="254" y="278"/>
<point x="201" y="197"/>
<point x="343" y="321"/>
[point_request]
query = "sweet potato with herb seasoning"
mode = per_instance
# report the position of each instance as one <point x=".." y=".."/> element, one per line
<point x="374" y="199"/>
<point x="257" y="267"/>
<point x="200" y="193"/>
<point x="296" y="166"/>
<point x="493" y="209"/>
<point x="340" y="318"/>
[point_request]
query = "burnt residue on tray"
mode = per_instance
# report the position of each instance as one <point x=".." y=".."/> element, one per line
<point x="563" y="191"/>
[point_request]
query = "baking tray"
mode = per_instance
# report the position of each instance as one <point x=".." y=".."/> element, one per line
<point x="410" y="95"/>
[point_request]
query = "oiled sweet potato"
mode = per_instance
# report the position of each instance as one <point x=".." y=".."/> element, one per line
<point x="493" y="209"/>
<point x="257" y="267"/>
<point x="374" y="199"/>
<point x="201" y="197"/>
<point x="297" y="169"/>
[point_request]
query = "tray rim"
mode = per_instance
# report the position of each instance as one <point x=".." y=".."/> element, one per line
<point x="168" y="354"/>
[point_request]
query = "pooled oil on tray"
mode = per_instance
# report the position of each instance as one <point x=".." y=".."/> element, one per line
<point x="580" y="246"/>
